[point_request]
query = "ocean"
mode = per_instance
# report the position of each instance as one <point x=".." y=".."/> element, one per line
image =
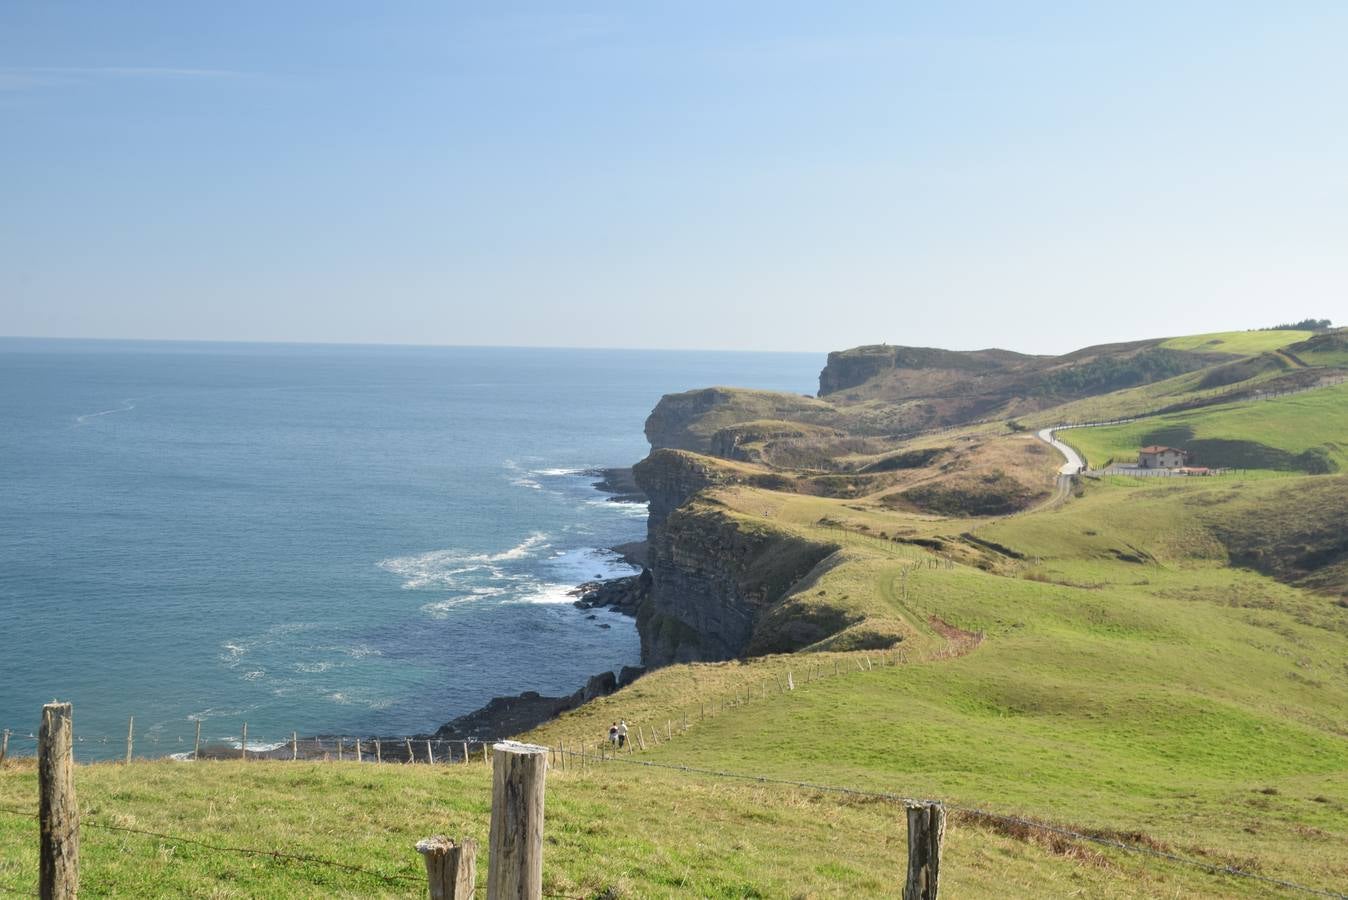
<point x="322" y="539"/>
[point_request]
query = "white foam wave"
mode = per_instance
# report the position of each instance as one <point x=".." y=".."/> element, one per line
<point x="440" y="568"/>
<point x="439" y="609"/>
<point x="126" y="406"/>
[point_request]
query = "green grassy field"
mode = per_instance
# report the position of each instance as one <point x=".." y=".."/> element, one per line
<point x="1240" y="342"/>
<point x="1267" y="434"/>
<point x="614" y="830"/>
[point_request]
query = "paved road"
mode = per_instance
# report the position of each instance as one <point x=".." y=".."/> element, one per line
<point x="1074" y="462"/>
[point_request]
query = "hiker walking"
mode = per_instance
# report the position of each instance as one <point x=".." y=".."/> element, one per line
<point x="613" y="734"/>
<point x="622" y="734"/>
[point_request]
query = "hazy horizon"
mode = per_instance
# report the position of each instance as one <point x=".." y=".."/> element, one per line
<point x="765" y="177"/>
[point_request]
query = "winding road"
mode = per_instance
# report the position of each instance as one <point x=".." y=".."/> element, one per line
<point x="1074" y="462"/>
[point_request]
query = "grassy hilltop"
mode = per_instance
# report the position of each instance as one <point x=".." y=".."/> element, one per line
<point x="1161" y="662"/>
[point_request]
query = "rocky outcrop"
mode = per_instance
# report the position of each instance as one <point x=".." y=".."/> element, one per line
<point x="850" y="368"/>
<point x="670" y="478"/>
<point x="713" y="575"/>
<point x="688" y="420"/>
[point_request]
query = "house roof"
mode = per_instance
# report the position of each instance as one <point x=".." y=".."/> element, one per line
<point x="1156" y="448"/>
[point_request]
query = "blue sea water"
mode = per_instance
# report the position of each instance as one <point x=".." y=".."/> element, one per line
<point x="322" y="539"/>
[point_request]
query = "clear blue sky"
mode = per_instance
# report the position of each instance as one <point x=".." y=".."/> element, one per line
<point x="774" y="175"/>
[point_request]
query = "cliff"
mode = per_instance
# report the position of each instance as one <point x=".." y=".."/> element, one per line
<point x="689" y="420"/>
<point x="714" y="576"/>
<point x="851" y="368"/>
<point x="711" y="574"/>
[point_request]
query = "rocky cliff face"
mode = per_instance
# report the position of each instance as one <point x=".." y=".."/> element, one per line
<point x="712" y="575"/>
<point x="713" y="578"/>
<point x="687" y="421"/>
<point x="670" y="478"/>
<point x="850" y="368"/>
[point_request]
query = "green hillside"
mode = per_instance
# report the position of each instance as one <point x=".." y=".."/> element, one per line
<point x="1306" y="432"/>
<point x="1238" y="342"/>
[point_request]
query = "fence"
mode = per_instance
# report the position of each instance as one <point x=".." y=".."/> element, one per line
<point x="451" y="864"/>
<point x="515" y="856"/>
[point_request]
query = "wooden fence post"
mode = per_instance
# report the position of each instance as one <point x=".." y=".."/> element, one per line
<point x="451" y="868"/>
<point x="339" y="748"/>
<point x="4" y="746"/>
<point x="410" y="758"/>
<point x="294" y="745"/>
<point x="515" y="857"/>
<point x="926" y="831"/>
<point x="58" y="813"/>
<point x="430" y="757"/>
<point x="485" y="761"/>
<point x="130" y="735"/>
<point x="358" y="750"/>
<point x="196" y="743"/>
<point x="465" y="753"/>
<point x="378" y="752"/>
<point x="243" y="744"/>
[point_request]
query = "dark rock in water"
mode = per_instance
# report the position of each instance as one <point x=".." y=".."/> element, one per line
<point x="622" y="595"/>
<point x="629" y="674"/>
<point x="591" y="616"/>
<point x="605" y="625"/>
<point x="619" y="483"/>
<point x="505" y="716"/>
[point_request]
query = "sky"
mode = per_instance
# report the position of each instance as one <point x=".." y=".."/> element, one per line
<point x="748" y="175"/>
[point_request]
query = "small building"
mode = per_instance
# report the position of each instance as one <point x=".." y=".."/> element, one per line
<point x="1157" y="457"/>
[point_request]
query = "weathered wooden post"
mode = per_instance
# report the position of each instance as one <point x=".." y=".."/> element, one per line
<point x="130" y="737"/>
<point x="58" y="814"/>
<point x="378" y="752"/>
<point x="926" y="831"/>
<point x="451" y="868"/>
<point x="339" y="748"/>
<point x="466" y="760"/>
<point x="4" y="745"/>
<point x="485" y="761"/>
<point x="196" y="743"/>
<point x="358" y="750"/>
<point x="430" y="757"/>
<point x="410" y="757"/>
<point x="243" y="744"/>
<point x="790" y="681"/>
<point x="294" y="745"/>
<point x="515" y="863"/>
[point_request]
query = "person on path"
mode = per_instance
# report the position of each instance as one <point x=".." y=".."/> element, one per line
<point x="613" y="734"/>
<point x="622" y="734"/>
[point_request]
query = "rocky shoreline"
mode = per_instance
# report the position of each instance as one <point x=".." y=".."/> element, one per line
<point x="503" y="716"/>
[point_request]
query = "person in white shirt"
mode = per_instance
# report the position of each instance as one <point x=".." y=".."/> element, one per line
<point x="622" y="734"/>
